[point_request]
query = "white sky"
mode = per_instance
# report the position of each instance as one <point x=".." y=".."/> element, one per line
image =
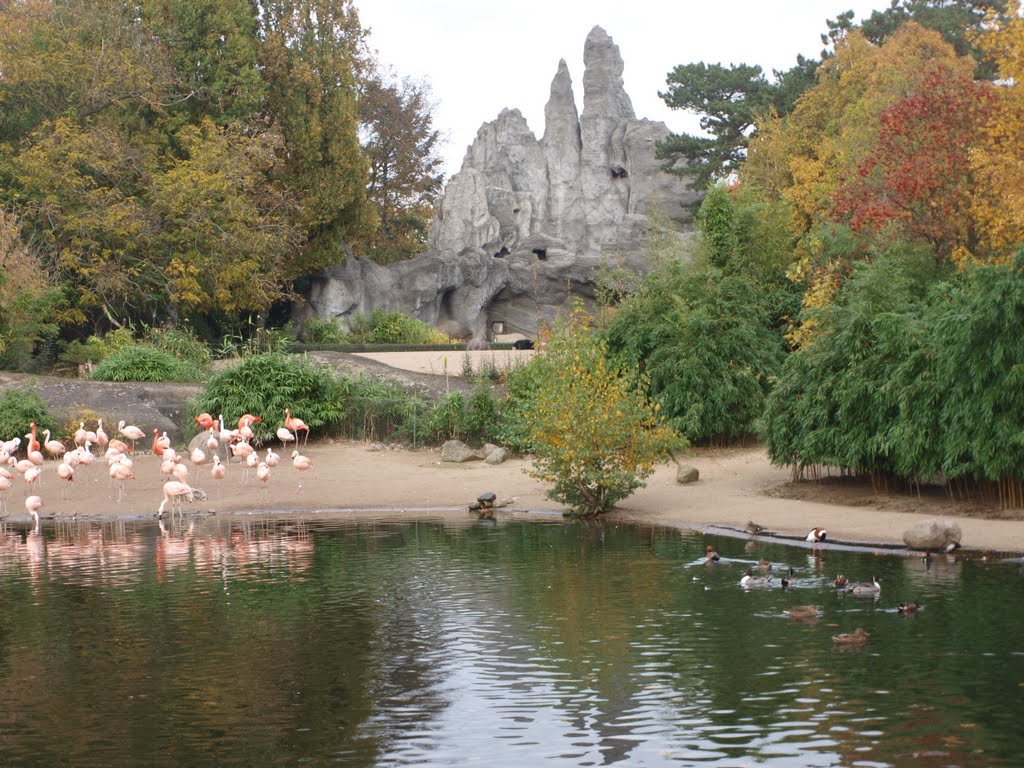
<point x="481" y="56"/>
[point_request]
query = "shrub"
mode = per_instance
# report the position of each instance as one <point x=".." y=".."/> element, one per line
<point x="18" y="409"/>
<point x="141" y="362"/>
<point x="474" y="419"/>
<point x="382" y="327"/>
<point x="265" y="385"/>
<point x="181" y="343"/>
<point x="596" y="435"/>
<point x="323" y="331"/>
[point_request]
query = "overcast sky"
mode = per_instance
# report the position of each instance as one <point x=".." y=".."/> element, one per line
<point x="481" y="56"/>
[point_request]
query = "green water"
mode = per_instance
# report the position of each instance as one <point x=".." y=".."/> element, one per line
<point x="515" y="644"/>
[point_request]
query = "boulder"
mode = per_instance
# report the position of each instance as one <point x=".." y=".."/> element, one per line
<point x="498" y="456"/>
<point x="687" y="474"/>
<point x="527" y="224"/>
<point x="457" y="452"/>
<point x="936" y="534"/>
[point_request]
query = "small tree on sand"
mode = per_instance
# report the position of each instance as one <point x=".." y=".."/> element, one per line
<point x="596" y="436"/>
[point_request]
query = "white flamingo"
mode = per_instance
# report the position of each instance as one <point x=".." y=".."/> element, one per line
<point x="174" y="490"/>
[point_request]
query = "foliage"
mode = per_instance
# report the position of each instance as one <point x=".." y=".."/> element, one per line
<point x="383" y="327"/>
<point x="316" y="330"/>
<point x="596" y="435"/>
<point x="522" y="385"/>
<point x="916" y="182"/>
<point x="180" y="342"/>
<point x="142" y="362"/>
<point x="402" y="147"/>
<point x="19" y="407"/>
<point x="95" y="349"/>
<point x="474" y="419"/>
<point x="264" y="385"/>
<point x="915" y="374"/>
<point x="705" y="344"/>
<point x="996" y="158"/>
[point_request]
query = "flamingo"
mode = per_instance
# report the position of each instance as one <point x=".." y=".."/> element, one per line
<point x="204" y="421"/>
<point x="218" y="471"/>
<point x="120" y="474"/>
<point x="101" y="436"/>
<point x="55" y="448"/>
<point x="301" y="463"/>
<point x="32" y="505"/>
<point x="65" y="472"/>
<point x="160" y="444"/>
<point x="296" y="425"/>
<point x="11" y="446"/>
<point x="117" y="446"/>
<point x="212" y="444"/>
<point x="32" y="476"/>
<point x="272" y="459"/>
<point x="34" y="454"/>
<point x="173" y="491"/>
<point x="247" y="420"/>
<point x="130" y="431"/>
<point x="5" y="486"/>
<point x="180" y="471"/>
<point x="33" y="443"/>
<point x="80" y="434"/>
<point x="285" y="437"/>
<point x="198" y="457"/>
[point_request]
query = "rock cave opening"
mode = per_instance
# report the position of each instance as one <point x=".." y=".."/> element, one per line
<point x="542" y="253"/>
<point x="502" y="253"/>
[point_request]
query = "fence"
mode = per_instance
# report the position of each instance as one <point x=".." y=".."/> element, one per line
<point x="384" y="420"/>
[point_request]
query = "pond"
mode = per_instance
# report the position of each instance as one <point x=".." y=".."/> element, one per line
<point x="242" y="642"/>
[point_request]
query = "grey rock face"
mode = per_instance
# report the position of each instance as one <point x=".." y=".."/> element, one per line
<point x="526" y="223"/>
<point x="937" y="534"/>
<point x="457" y="452"/>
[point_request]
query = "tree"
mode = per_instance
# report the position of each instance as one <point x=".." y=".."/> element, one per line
<point x="401" y="145"/>
<point x="310" y="55"/>
<point x="596" y="435"/>
<point x="916" y="182"/>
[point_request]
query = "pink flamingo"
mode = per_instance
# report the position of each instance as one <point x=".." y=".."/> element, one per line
<point x="101" y="437"/>
<point x="301" y="463"/>
<point x="173" y="493"/>
<point x="32" y="505"/>
<point x="131" y="432"/>
<point x="120" y="474"/>
<point x="66" y="472"/>
<point x="296" y="425"/>
<point x="5" y="486"/>
<point x="55" y="448"/>
<point x="218" y="471"/>
<point x="32" y="476"/>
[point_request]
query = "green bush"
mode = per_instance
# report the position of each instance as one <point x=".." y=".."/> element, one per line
<point x="180" y="342"/>
<point x="18" y="409"/>
<point x="96" y="348"/>
<point x="323" y="331"/>
<point x="382" y="327"/>
<point x="141" y="362"/>
<point x="265" y="385"/>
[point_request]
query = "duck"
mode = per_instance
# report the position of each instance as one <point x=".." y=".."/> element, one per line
<point x="841" y="582"/>
<point x="859" y="636"/>
<point x="803" y="612"/>
<point x="908" y="608"/>
<point x="763" y="565"/>
<point x="865" y="588"/>
<point x="787" y="580"/>
<point x="753" y="528"/>
<point x="750" y="580"/>
<point x="712" y="556"/>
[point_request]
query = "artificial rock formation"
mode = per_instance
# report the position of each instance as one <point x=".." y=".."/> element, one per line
<point x="526" y="223"/>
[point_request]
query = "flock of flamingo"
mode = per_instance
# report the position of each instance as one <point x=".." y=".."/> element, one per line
<point x="215" y="436"/>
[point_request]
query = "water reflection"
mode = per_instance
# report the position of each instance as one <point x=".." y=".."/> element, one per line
<point x="251" y="642"/>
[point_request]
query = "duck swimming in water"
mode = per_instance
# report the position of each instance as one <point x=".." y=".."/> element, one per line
<point x="864" y="588"/>
<point x="712" y="556"/>
<point x="908" y="609"/>
<point x="803" y="612"/>
<point x="841" y="582"/>
<point x="787" y="580"/>
<point x="859" y="636"/>
<point x="750" y="580"/>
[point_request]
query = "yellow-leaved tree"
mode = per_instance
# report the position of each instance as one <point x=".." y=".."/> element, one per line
<point x="596" y="435"/>
<point x="998" y="159"/>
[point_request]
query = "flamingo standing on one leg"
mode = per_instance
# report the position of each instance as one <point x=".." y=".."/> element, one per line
<point x="5" y="486"/>
<point x="131" y="432"/>
<point x="296" y="425"/>
<point x="301" y="463"/>
<point x="66" y="472"/>
<point x="120" y="473"/>
<point x="218" y="471"/>
<point x="101" y="436"/>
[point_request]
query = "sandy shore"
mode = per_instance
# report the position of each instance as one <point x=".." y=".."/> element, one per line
<point x="355" y="478"/>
